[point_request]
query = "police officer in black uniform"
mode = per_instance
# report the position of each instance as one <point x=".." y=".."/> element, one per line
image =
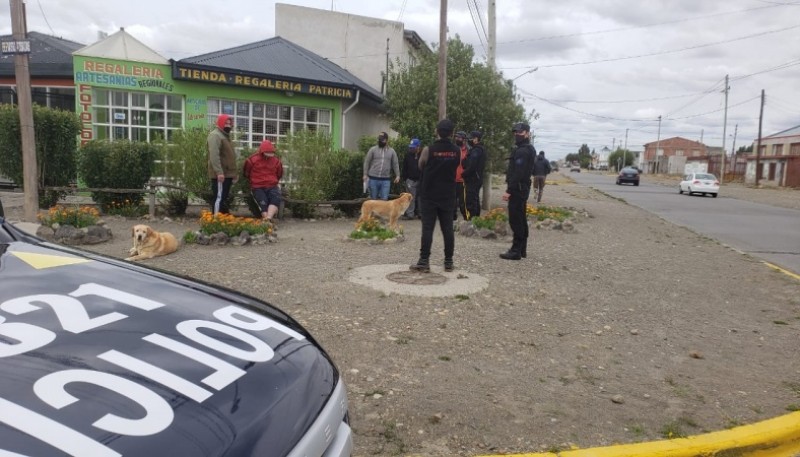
<point x="437" y="192"/>
<point x="518" y="189"/>
<point x="474" y="166"/>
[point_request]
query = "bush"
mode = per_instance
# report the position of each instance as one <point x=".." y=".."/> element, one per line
<point x="174" y="202"/>
<point x="126" y="208"/>
<point x="350" y="185"/>
<point x="117" y="165"/>
<point x="79" y="217"/>
<point x="489" y="220"/>
<point x="55" y="149"/>
<point x="548" y="212"/>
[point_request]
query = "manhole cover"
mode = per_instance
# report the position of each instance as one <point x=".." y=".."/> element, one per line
<point x="413" y="277"/>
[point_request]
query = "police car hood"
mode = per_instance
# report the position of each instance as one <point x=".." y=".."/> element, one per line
<point x="103" y="358"/>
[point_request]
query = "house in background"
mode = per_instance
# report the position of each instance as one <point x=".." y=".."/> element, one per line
<point x="50" y="70"/>
<point x="673" y="155"/>
<point x="363" y="46"/>
<point x="778" y="161"/>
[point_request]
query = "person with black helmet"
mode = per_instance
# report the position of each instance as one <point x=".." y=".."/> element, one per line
<point x="518" y="189"/>
<point x="437" y="190"/>
<point x="461" y="196"/>
<point x="474" y="166"/>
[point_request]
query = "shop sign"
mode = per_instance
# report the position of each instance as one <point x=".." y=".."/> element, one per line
<point x="16" y="47"/>
<point x="127" y="75"/>
<point x="257" y="82"/>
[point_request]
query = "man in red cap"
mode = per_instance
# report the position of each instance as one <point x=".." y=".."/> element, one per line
<point x="221" y="164"/>
<point x="264" y="170"/>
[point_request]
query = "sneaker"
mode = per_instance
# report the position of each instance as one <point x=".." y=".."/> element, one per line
<point x="422" y="266"/>
<point x="448" y="265"/>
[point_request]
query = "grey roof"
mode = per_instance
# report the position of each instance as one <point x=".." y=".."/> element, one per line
<point x="281" y="58"/>
<point x="50" y="56"/>
<point x="788" y="132"/>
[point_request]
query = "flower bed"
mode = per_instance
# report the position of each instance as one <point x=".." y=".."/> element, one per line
<point x="224" y="229"/>
<point x="373" y="231"/>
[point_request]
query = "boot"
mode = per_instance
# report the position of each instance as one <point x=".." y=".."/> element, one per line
<point x="511" y="255"/>
<point x="524" y="251"/>
<point x="422" y="266"/>
<point x="448" y="265"/>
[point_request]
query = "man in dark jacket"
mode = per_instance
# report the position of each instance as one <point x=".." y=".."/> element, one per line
<point x="541" y="168"/>
<point x="410" y="175"/>
<point x="474" y="166"/>
<point x="518" y="189"/>
<point x="438" y="164"/>
<point x="221" y="160"/>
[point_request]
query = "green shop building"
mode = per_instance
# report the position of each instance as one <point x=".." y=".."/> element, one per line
<point x="125" y="90"/>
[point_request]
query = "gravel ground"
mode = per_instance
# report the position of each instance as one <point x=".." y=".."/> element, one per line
<point x="629" y="330"/>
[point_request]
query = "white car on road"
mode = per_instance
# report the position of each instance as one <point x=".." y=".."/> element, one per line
<point x="699" y="183"/>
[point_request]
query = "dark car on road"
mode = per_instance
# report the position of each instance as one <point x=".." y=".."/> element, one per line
<point x="628" y="175"/>
<point x="104" y="358"/>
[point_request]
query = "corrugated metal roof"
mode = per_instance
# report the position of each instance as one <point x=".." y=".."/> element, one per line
<point x="281" y="58"/>
<point x="788" y="132"/>
<point x="50" y="56"/>
<point x="122" y="46"/>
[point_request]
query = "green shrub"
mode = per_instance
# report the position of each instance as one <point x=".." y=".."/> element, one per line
<point x="117" y="165"/>
<point x="174" y="202"/>
<point x="350" y="185"/>
<point x="372" y="228"/>
<point x="56" y="146"/>
<point x="126" y="208"/>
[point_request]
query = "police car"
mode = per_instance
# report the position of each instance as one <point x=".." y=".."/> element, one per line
<point x="102" y="358"/>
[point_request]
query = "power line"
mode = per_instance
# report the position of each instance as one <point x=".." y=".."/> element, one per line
<point x="475" y="22"/>
<point x="654" y="24"/>
<point x="402" y="10"/>
<point x="708" y="91"/>
<point x="45" y="18"/>
<point x="660" y="53"/>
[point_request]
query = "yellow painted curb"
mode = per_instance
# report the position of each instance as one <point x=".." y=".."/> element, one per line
<point x="786" y="272"/>
<point x="779" y="437"/>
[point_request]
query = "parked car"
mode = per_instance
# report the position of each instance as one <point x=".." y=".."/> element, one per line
<point x="628" y="175"/>
<point x="699" y="183"/>
<point x="100" y="357"/>
<point x="575" y="167"/>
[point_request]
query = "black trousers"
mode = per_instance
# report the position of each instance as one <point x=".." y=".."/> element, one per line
<point x="220" y="192"/>
<point x="473" y="198"/>
<point x="517" y="218"/>
<point x="461" y="201"/>
<point x="443" y="212"/>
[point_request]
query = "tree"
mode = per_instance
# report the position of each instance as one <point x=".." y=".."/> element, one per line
<point x="478" y="98"/>
<point x="620" y="159"/>
<point x="583" y="156"/>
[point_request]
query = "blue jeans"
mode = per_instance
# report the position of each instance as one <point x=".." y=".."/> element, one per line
<point x="379" y="188"/>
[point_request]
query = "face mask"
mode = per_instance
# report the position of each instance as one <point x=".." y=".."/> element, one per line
<point x="459" y="142"/>
<point x="227" y="129"/>
<point x="519" y="138"/>
<point x="381" y="143"/>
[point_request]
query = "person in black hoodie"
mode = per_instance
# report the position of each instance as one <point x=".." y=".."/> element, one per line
<point x="518" y="189"/>
<point x="410" y="175"/>
<point x="437" y="190"/>
<point x="541" y="168"/>
<point x="474" y="166"/>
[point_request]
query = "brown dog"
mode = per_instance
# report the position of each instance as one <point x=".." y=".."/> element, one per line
<point x="147" y="243"/>
<point x="385" y="209"/>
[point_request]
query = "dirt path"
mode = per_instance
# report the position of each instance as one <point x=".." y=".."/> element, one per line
<point x="629" y="330"/>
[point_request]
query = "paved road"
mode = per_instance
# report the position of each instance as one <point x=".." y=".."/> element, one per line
<point x="768" y="232"/>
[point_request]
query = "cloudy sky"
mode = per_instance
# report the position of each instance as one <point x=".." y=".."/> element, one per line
<point x="604" y="66"/>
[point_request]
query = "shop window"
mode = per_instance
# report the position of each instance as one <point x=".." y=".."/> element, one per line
<point x="137" y="116"/>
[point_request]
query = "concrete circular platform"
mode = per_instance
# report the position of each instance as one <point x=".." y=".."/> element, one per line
<point x="397" y="279"/>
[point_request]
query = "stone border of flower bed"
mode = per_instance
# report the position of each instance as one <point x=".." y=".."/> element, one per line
<point x="73" y="236"/>
<point x="222" y="239"/>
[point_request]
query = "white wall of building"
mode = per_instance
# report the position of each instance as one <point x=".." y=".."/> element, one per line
<point x="355" y="43"/>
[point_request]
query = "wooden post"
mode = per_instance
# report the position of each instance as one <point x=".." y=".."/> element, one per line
<point x="25" y="104"/>
<point x="443" y="60"/>
<point x="152" y="205"/>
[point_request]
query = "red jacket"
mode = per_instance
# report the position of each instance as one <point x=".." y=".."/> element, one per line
<point x="460" y="168"/>
<point x="263" y="172"/>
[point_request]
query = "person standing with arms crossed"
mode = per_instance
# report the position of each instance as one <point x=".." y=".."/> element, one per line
<point x="541" y="168"/>
<point x="474" y="166"/>
<point x="379" y="163"/>
<point x="221" y="164"/>
<point x="438" y="163"/>
<point x="518" y="189"/>
<point x="410" y="176"/>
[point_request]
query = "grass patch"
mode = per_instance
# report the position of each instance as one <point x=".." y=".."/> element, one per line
<point x="392" y="437"/>
<point x="780" y="322"/>
<point x="462" y="297"/>
<point x="794" y="387"/>
<point x="793" y="407"/>
<point x="444" y="358"/>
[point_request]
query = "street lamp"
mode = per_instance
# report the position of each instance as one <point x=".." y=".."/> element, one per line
<point x="523" y="74"/>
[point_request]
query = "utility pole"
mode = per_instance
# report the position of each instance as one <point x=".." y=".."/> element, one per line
<point x="724" y="130"/>
<point x="758" y="143"/>
<point x="25" y="104"/>
<point x="443" y="60"/>
<point x="625" y="154"/>
<point x="733" y="148"/>
<point x="487" y="176"/>
<point x="658" y="145"/>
